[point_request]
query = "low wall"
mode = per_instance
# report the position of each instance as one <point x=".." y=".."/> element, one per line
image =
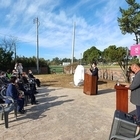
<point x="42" y="70"/>
<point x="114" y="75"/>
<point x="111" y="74"/>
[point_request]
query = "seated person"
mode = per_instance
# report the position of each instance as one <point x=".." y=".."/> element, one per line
<point x="31" y="76"/>
<point x="8" y="74"/>
<point x="2" y="83"/>
<point x="27" y="92"/>
<point x="24" y="79"/>
<point x="13" y="93"/>
<point x="14" y="73"/>
<point x="4" y="78"/>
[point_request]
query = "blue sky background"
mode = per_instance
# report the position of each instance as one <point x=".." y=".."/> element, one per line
<point x="96" y="25"/>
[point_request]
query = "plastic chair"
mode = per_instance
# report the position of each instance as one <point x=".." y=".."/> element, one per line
<point x="3" y="93"/>
<point x="4" y="97"/>
<point x="6" y="109"/>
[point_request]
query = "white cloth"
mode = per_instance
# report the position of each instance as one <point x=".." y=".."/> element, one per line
<point x="79" y="75"/>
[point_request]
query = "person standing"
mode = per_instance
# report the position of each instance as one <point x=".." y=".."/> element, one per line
<point x="94" y="70"/>
<point x="135" y="89"/>
<point x="20" y="69"/>
<point x="16" y="67"/>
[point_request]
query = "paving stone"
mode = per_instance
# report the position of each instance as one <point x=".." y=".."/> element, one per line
<point x="64" y="114"/>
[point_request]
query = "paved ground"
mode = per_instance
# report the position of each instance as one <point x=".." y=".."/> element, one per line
<point x="64" y="114"/>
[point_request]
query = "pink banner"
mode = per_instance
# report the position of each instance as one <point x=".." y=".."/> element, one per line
<point x="135" y="50"/>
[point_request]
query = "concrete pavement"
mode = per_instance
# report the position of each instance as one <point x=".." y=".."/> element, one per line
<point x="64" y="114"/>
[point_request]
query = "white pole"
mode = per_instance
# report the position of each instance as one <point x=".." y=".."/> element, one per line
<point x="73" y="45"/>
<point x="37" y="45"/>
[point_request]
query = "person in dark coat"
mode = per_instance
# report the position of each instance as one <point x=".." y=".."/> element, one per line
<point x="26" y="80"/>
<point x="14" y="94"/>
<point x="94" y="70"/>
<point x="135" y="89"/>
<point x="27" y="92"/>
<point x="31" y="76"/>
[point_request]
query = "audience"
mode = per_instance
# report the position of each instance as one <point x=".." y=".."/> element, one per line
<point x="19" y="85"/>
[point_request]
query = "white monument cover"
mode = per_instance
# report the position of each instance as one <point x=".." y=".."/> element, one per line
<point x="79" y="75"/>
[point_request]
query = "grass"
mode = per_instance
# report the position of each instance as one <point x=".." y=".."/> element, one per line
<point x="66" y="81"/>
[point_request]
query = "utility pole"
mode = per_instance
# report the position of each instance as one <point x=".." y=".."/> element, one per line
<point x="37" y="45"/>
<point x="81" y="58"/>
<point x="15" y="50"/>
<point x="73" y="45"/>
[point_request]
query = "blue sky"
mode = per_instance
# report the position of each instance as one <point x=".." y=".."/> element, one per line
<point x="96" y="25"/>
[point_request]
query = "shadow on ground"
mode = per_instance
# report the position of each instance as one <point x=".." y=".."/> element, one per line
<point x="49" y="83"/>
<point x="35" y="112"/>
<point x="102" y="82"/>
<point x="104" y="91"/>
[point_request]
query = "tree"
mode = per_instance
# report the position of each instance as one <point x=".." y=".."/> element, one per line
<point x="114" y="54"/>
<point x="92" y="54"/>
<point x="110" y="53"/>
<point x="9" y="45"/>
<point x="56" y="61"/>
<point x="43" y="62"/>
<point x="5" y="59"/>
<point x="120" y="55"/>
<point x="66" y="60"/>
<point x="130" y="20"/>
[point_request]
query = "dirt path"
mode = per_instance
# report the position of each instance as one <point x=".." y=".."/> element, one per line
<point x="66" y="80"/>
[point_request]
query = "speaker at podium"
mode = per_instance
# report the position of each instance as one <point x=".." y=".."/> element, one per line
<point x="90" y="84"/>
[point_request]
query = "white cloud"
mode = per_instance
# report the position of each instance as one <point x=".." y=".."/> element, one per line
<point x="5" y="3"/>
<point x="98" y="28"/>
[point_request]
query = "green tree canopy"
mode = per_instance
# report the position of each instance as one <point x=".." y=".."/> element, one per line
<point x="92" y="54"/>
<point x="114" y="54"/>
<point x="129" y="22"/>
<point x="5" y="59"/>
<point x="119" y="55"/>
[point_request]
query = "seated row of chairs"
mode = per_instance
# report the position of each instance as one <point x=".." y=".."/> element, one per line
<point x="28" y="89"/>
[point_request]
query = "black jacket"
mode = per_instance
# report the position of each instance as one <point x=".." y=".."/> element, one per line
<point x="95" y="72"/>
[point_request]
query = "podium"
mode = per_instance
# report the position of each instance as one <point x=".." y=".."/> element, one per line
<point x="90" y="84"/>
<point x="121" y="98"/>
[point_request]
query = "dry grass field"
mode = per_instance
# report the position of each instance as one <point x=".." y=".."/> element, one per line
<point x="66" y="81"/>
